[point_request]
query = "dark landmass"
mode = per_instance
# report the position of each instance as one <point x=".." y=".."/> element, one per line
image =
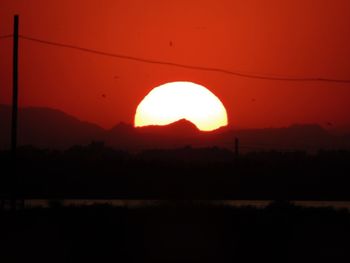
<point x="175" y="233"/>
<point x="99" y="172"/>
<point x="48" y="128"/>
<point x="174" y="163"/>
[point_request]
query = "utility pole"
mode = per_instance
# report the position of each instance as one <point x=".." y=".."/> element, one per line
<point x="13" y="180"/>
<point x="15" y="89"/>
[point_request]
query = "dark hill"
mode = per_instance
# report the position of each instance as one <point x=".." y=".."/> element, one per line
<point x="49" y="128"/>
<point x="45" y="127"/>
<point x="177" y="134"/>
<point x="180" y="128"/>
<point x="299" y="136"/>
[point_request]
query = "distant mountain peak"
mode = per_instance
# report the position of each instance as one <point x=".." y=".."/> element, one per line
<point x="183" y="124"/>
<point x="181" y="128"/>
<point x="45" y="127"/>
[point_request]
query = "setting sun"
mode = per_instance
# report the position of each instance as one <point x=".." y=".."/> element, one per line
<point x="173" y="101"/>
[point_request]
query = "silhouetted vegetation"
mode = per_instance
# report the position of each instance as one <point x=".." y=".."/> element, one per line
<point x="175" y="233"/>
<point x="96" y="171"/>
<point x="178" y="230"/>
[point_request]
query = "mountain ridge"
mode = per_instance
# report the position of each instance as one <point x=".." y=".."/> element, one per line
<point x="51" y="128"/>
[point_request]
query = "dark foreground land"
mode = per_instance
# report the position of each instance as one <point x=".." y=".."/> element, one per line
<point x="175" y="232"/>
<point x="98" y="172"/>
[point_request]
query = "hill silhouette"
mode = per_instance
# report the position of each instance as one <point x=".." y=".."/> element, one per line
<point x="180" y="128"/>
<point x="45" y="127"/>
<point x="297" y="136"/>
<point x="50" y="128"/>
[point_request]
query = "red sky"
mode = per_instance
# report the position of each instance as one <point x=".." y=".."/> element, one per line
<point x="300" y="38"/>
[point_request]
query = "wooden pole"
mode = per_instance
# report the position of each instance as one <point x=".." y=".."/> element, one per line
<point x="15" y="88"/>
<point x="14" y="114"/>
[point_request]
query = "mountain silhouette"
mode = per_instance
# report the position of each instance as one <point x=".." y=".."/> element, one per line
<point x="50" y="128"/>
<point x="297" y="136"/>
<point x="176" y="134"/>
<point x="45" y="127"/>
<point x="180" y="128"/>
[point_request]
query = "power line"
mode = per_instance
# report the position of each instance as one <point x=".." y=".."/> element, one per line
<point x="167" y="63"/>
<point x="5" y="36"/>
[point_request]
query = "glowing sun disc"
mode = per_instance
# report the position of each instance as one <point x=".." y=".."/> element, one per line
<point x="174" y="101"/>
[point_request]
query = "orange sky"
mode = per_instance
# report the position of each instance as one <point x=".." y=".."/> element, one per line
<point x="292" y="37"/>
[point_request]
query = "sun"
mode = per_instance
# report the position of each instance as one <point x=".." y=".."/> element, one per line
<point x="174" y="101"/>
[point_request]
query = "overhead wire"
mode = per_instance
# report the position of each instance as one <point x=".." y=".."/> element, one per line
<point x="186" y="66"/>
<point x="5" y="36"/>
